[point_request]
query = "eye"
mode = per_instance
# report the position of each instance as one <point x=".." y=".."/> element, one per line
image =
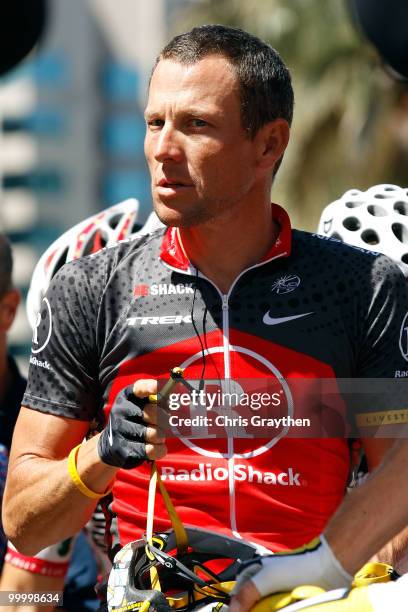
<point x="196" y="122"/>
<point x="155" y="123"/>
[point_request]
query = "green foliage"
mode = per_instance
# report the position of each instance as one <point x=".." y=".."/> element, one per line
<point x="351" y="118"/>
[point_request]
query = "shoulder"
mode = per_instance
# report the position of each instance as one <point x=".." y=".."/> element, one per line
<point x="95" y="270"/>
<point x="344" y="259"/>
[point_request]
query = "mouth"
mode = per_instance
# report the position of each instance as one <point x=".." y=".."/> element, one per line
<point x="167" y="188"/>
<point x="172" y="184"/>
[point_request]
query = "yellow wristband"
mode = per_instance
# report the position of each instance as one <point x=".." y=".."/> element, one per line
<point x="76" y="479"/>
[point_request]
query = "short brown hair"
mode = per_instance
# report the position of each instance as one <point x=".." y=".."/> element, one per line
<point x="265" y="83"/>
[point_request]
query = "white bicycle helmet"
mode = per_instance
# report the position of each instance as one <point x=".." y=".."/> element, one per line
<point x="103" y="229"/>
<point x="376" y="220"/>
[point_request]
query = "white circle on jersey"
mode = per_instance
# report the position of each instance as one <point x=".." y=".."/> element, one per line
<point x="48" y="321"/>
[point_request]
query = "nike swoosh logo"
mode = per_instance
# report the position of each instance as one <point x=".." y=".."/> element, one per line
<point x="268" y="320"/>
<point x="110" y="434"/>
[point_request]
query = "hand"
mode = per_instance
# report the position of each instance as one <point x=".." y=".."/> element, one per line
<point x="132" y="434"/>
<point x="313" y="564"/>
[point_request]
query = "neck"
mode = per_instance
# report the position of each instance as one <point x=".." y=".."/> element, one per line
<point x="223" y="248"/>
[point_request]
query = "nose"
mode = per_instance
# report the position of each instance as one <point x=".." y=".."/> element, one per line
<point x="168" y="144"/>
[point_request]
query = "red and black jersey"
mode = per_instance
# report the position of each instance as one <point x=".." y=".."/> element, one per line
<point x="313" y="308"/>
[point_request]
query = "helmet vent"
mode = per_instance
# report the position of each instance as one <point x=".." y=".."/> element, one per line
<point x="113" y="221"/>
<point x="353" y="203"/>
<point x="336" y="236"/>
<point x="388" y="192"/>
<point x="352" y="224"/>
<point x="400" y="232"/>
<point x="404" y="258"/>
<point x="377" y="211"/>
<point x="62" y="259"/>
<point x="95" y="243"/>
<point x="369" y="236"/>
<point x="401" y="207"/>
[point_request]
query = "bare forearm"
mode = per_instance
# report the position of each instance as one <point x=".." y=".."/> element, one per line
<point x="42" y="505"/>
<point x="395" y="552"/>
<point x="372" y="514"/>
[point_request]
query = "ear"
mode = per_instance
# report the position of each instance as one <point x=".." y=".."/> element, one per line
<point x="273" y="139"/>
<point x="8" y="307"/>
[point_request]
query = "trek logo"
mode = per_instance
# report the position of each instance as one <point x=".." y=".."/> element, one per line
<point x="165" y="320"/>
<point x="162" y="289"/>
<point x="268" y="320"/>
<point x="40" y="364"/>
<point x="241" y="473"/>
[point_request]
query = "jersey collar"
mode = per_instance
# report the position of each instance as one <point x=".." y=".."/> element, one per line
<point x="173" y="254"/>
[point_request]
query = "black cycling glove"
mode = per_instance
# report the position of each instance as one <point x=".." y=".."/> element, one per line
<point x="123" y="441"/>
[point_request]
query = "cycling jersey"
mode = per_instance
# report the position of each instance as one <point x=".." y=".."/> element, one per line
<point x="312" y="308"/>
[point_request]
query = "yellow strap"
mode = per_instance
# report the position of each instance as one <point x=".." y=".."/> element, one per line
<point x="371" y="573"/>
<point x="154" y="575"/>
<point x="76" y="479"/>
<point x="179" y="531"/>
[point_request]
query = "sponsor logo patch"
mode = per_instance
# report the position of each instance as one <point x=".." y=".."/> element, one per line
<point x="286" y="284"/>
<point x="162" y="289"/>
<point x="241" y="473"/>
<point x="40" y="364"/>
<point x="43" y="328"/>
<point x="403" y="339"/>
<point x="268" y="320"/>
<point x="165" y="320"/>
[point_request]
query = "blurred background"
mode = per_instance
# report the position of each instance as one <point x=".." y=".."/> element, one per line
<point x="71" y="115"/>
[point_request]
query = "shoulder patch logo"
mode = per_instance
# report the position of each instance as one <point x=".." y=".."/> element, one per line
<point x="285" y="284"/>
<point x="403" y="339"/>
<point x="43" y="329"/>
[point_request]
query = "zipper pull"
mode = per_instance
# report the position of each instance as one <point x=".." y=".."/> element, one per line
<point x="225" y="302"/>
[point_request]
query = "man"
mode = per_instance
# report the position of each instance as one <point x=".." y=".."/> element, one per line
<point x="47" y="571"/>
<point x="228" y="291"/>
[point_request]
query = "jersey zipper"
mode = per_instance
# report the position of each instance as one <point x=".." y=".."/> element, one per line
<point x="227" y="373"/>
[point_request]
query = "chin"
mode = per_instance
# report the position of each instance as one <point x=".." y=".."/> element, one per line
<point x="177" y="218"/>
<point x="171" y="218"/>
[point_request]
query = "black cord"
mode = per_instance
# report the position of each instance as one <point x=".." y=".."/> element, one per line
<point x="201" y="385"/>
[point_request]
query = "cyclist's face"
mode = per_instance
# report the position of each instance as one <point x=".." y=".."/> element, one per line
<point x="200" y="157"/>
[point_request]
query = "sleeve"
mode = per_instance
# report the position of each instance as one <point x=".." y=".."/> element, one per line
<point x="382" y="366"/>
<point x="383" y="352"/>
<point x="63" y="372"/>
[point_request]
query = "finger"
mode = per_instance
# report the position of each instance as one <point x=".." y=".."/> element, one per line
<point x="245" y="598"/>
<point x="154" y="435"/>
<point x="154" y="415"/>
<point x="145" y="387"/>
<point x="156" y="451"/>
